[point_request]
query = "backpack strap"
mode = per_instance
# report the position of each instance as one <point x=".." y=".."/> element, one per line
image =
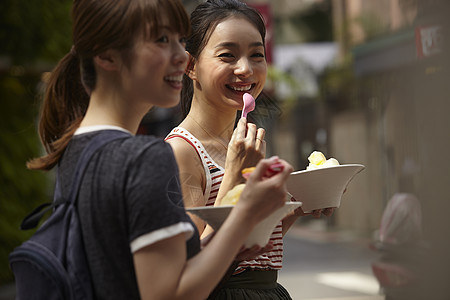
<point x="104" y="137"/>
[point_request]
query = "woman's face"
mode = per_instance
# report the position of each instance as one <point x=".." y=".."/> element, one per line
<point x="156" y="71"/>
<point x="232" y="63"/>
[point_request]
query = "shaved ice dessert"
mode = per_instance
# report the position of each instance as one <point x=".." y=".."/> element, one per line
<point x="317" y="160"/>
<point x="233" y="195"/>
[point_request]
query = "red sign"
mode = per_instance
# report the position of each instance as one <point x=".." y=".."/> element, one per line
<point x="429" y="40"/>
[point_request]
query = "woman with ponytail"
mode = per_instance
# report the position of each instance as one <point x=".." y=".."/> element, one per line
<point x="128" y="56"/>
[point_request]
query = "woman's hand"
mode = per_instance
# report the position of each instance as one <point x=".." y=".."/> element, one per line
<point x="290" y="218"/>
<point x="326" y="212"/>
<point x="252" y="252"/>
<point x="246" y="148"/>
<point x="262" y="195"/>
<point x="244" y="253"/>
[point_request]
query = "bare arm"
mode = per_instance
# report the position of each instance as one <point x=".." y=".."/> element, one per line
<point x="246" y="148"/>
<point x="161" y="268"/>
<point x="192" y="177"/>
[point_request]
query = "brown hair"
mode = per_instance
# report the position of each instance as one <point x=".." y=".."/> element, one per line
<point x="98" y="25"/>
<point x="204" y="20"/>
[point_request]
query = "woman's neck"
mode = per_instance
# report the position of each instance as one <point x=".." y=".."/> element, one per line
<point x="211" y="121"/>
<point x="109" y="108"/>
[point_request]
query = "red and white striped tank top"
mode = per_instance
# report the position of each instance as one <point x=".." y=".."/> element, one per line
<point x="214" y="174"/>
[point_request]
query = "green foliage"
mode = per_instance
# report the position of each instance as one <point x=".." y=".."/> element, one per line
<point x="33" y="34"/>
<point x="33" y="31"/>
<point x="316" y="22"/>
<point x="278" y="78"/>
<point x="310" y="25"/>
<point x="371" y="25"/>
<point x="338" y="86"/>
<point x="21" y="189"/>
<point x="342" y="90"/>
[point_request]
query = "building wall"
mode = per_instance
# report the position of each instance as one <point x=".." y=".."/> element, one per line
<point x="401" y="129"/>
<point x="360" y="207"/>
<point x="357" y="20"/>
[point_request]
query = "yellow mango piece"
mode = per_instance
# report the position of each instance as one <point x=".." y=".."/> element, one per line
<point x="318" y="160"/>
<point x="232" y="197"/>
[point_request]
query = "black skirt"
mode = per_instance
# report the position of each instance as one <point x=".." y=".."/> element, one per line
<point x="260" y="285"/>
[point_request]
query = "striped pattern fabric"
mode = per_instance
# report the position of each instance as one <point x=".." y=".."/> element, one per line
<point x="214" y="173"/>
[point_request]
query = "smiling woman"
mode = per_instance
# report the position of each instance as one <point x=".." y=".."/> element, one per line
<point x="226" y="60"/>
<point x="231" y="63"/>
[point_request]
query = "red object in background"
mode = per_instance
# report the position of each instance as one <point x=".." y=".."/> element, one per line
<point x="265" y="11"/>
<point x="429" y="40"/>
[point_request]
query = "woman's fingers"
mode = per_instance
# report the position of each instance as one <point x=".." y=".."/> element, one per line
<point x="240" y="130"/>
<point x="254" y="251"/>
<point x="316" y="213"/>
<point x="260" y="143"/>
<point x="325" y="211"/>
<point x="263" y="172"/>
<point x="260" y="134"/>
<point x="264" y="194"/>
<point x="263" y="149"/>
<point x="251" y="132"/>
<point x="263" y="166"/>
<point x="328" y="211"/>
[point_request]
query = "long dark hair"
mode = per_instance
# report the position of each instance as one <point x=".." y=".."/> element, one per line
<point x="204" y="20"/>
<point x="98" y="25"/>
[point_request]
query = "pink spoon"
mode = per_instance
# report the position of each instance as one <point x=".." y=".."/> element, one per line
<point x="249" y="104"/>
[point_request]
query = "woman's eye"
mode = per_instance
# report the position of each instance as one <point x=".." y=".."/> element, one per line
<point x="183" y="41"/>
<point x="226" y="55"/>
<point x="258" y="55"/>
<point x="163" y="39"/>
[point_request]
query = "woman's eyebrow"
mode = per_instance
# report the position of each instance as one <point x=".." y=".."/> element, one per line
<point x="236" y="45"/>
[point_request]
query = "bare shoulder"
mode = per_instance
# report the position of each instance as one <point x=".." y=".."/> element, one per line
<point x="182" y="148"/>
<point x="192" y="174"/>
<point x="185" y="154"/>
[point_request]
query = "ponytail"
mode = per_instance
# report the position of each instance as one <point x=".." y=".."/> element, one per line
<point x="65" y="104"/>
<point x="97" y="25"/>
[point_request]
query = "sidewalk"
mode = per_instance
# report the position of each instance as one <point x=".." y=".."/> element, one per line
<point x="328" y="265"/>
<point x="318" y="265"/>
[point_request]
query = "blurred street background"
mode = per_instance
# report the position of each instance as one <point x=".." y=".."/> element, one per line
<point x="364" y="81"/>
<point x="318" y="264"/>
<point x="325" y="265"/>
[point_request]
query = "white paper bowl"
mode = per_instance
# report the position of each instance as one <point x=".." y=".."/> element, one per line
<point x="216" y="215"/>
<point x="321" y="188"/>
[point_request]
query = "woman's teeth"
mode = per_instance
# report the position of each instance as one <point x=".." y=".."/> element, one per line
<point x="241" y="88"/>
<point x="177" y="78"/>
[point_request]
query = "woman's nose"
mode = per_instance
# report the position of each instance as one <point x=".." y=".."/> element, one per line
<point x="180" y="56"/>
<point x="243" y="67"/>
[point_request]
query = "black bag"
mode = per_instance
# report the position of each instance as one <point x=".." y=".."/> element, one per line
<point x="52" y="264"/>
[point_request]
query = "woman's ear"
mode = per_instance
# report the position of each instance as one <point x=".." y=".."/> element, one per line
<point x="190" y="68"/>
<point x="108" y="60"/>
